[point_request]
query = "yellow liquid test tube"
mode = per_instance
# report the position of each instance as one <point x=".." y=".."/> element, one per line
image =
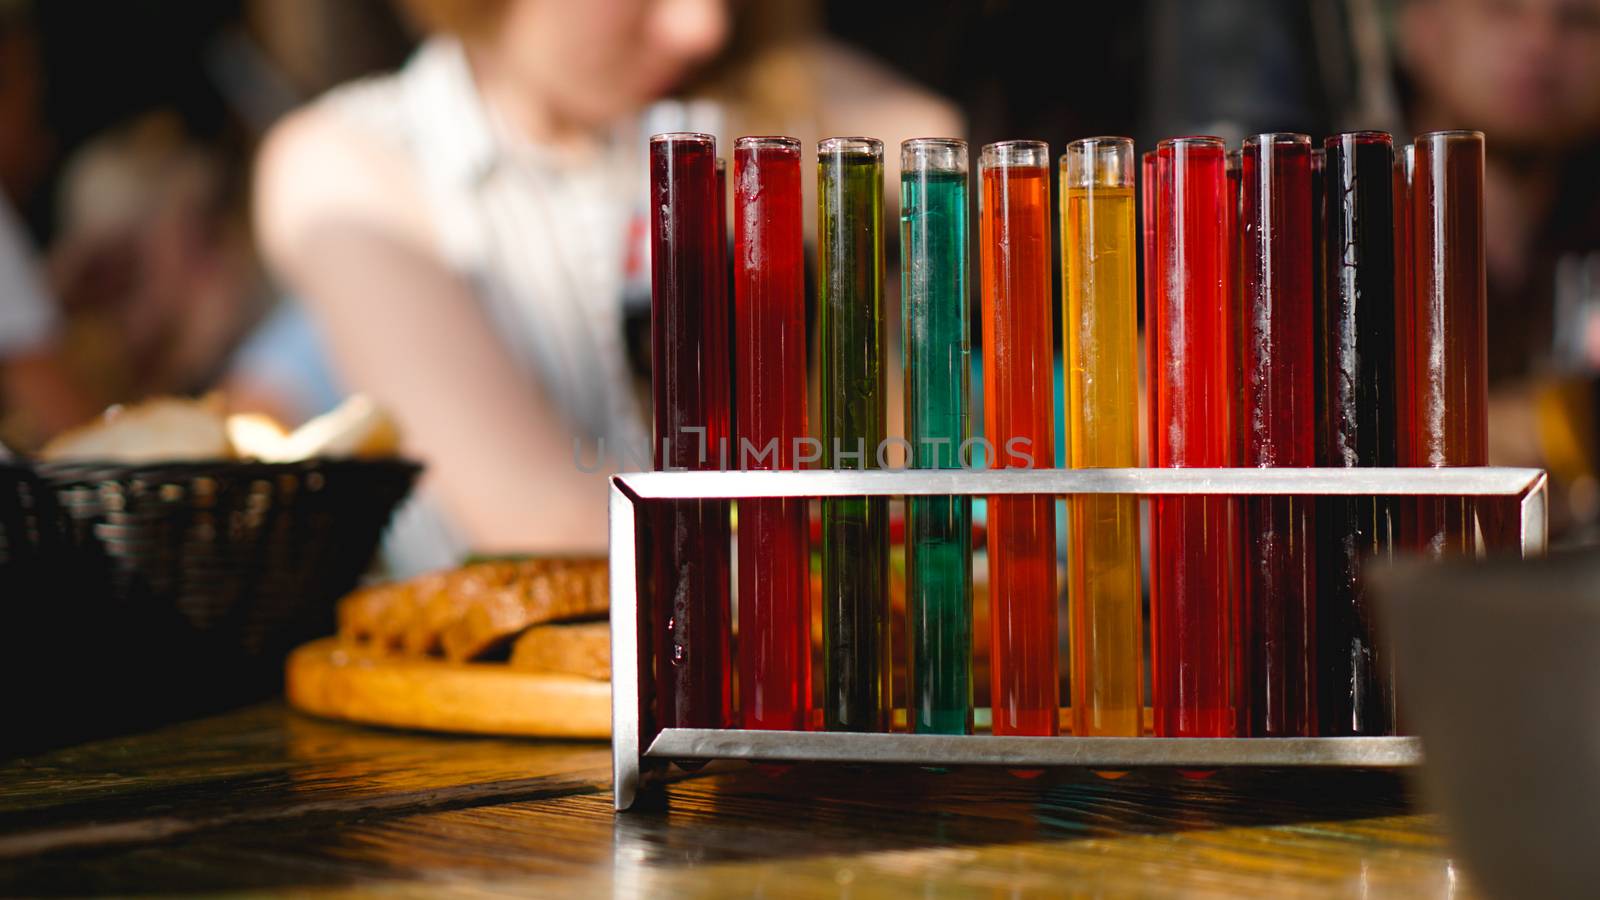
<point x="1100" y="300"/>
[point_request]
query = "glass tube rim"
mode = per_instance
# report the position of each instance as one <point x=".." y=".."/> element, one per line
<point x="1015" y="154"/>
<point x="767" y="142"/>
<point x="1116" y="153"/>
<point x="684" y="137"/>
<point x="1368" y="136"/>
<point x="1449" y="134"/>
<point x="850" y="145"/>
<point x="1107" y="140"/>
<point x="1193" y="140"/>
<point x="1277" y="139"/>
<point x="933" y="154"/>
<point x="933" y="142"/>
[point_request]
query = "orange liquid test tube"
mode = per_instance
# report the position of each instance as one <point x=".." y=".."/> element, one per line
<point x="1018" y="364"/>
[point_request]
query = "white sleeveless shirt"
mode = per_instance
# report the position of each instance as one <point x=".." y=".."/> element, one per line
<point x="541" y="240"/>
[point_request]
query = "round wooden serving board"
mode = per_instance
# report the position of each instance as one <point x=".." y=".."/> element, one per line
<point x="340" y="681"/>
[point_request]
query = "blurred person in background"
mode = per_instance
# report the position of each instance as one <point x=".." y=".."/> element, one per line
<point x="1524" y="72"/>
<point x="160" y="207"/>
<point x="1527" y="74"/>
<point x="148" y="278"/>
<point x="38" y="396"/>
<point x="464" y="231"/>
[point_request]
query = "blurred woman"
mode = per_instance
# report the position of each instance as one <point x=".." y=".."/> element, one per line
<point x="461" y="233"/>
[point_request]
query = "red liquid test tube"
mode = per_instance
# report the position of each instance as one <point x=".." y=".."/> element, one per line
<point x="1233" y="166"/>
<point x="1405" y="258"/>
<point x="1194" y="620"/>
<point x="1019" y="424"/>
<point x="1149" y="190"/>
<point x="689" y="329"/>
<point x="1279" y="427"/>
<point x="770" y="362"/>
<point x="1449" y="316"/>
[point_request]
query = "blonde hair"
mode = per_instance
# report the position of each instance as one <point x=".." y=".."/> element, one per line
<point x="463" y="18"/>
<point x="763" y="72"/>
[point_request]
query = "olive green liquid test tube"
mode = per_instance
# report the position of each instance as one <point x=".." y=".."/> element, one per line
<point x="855" y="530"/>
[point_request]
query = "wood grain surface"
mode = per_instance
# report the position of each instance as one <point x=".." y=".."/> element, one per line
<point x="267" y="801"/>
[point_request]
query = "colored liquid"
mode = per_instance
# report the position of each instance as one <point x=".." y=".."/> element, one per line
<point x="1238" y="510"/>
<point x="1357" y="427"/>
<point x="933" y="235"/>
<point x="1100" y="313"/>
<point x="770" y="361"/>
<point x="1018" y="417"/>
<point x="689" y="540"/>
<point x="1149" y="190"/>
<point x="1450" y="375"/>
<point x="1279" y="428"/>
<point x="1193" y="605"/>
<point x="855" y="530"/>
<point x="1405" y="316"/>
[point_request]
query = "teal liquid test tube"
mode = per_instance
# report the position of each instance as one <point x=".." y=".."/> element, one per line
<point x="857" y="669"/>
<point x="936" y="352"/>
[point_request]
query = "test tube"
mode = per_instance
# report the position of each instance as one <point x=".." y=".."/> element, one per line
<point x="1279" y="429"/>
<point x="936" y="354"/>
<point x="1449" y="310"/>
<point x="1193" y="600"/>
<point x="1405" y="326"/>
<point x="770" y="361"/>
<point x="1100" y="315"/>
<point x="689" y="331"/>
<point x="1149" y="189"/>
<point x="1357" y="404"/>
<point x="855" y="530"/>
<point x="1019" y="425"/>
<point x="1233" y="167"/>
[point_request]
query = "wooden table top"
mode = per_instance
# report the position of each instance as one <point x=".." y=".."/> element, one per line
<point x="266" y="800"/>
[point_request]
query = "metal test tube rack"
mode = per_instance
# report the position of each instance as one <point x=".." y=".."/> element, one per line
<point x="635" y="763"/>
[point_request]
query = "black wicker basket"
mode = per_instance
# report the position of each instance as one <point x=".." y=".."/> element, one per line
<point x="192" y="581"/>
<point x="29" y="529"/>
<point x="32" y="558"/>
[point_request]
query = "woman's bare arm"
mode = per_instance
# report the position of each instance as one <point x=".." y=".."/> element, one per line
<point x="341" y="220"/>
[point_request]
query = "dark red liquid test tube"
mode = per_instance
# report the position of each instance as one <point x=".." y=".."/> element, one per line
<point x="1193" y="611"/>
<point x="1279" y="429"/>
<point x="689" y="329"/>
<point x="1449" y="353"/>
<point x="770" y="364"/>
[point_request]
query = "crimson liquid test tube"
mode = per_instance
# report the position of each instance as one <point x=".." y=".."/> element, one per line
<point x="1449" y="353"/>
<point x="1405" y="328"/>
<point x="770" y="364"/>
<point x="1279" y="429"/>
<point x="1194" y="619"/>
<point x="689" y="539"/>
<point x="1149" y="191"/>
<point x="1019" y="420"/>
